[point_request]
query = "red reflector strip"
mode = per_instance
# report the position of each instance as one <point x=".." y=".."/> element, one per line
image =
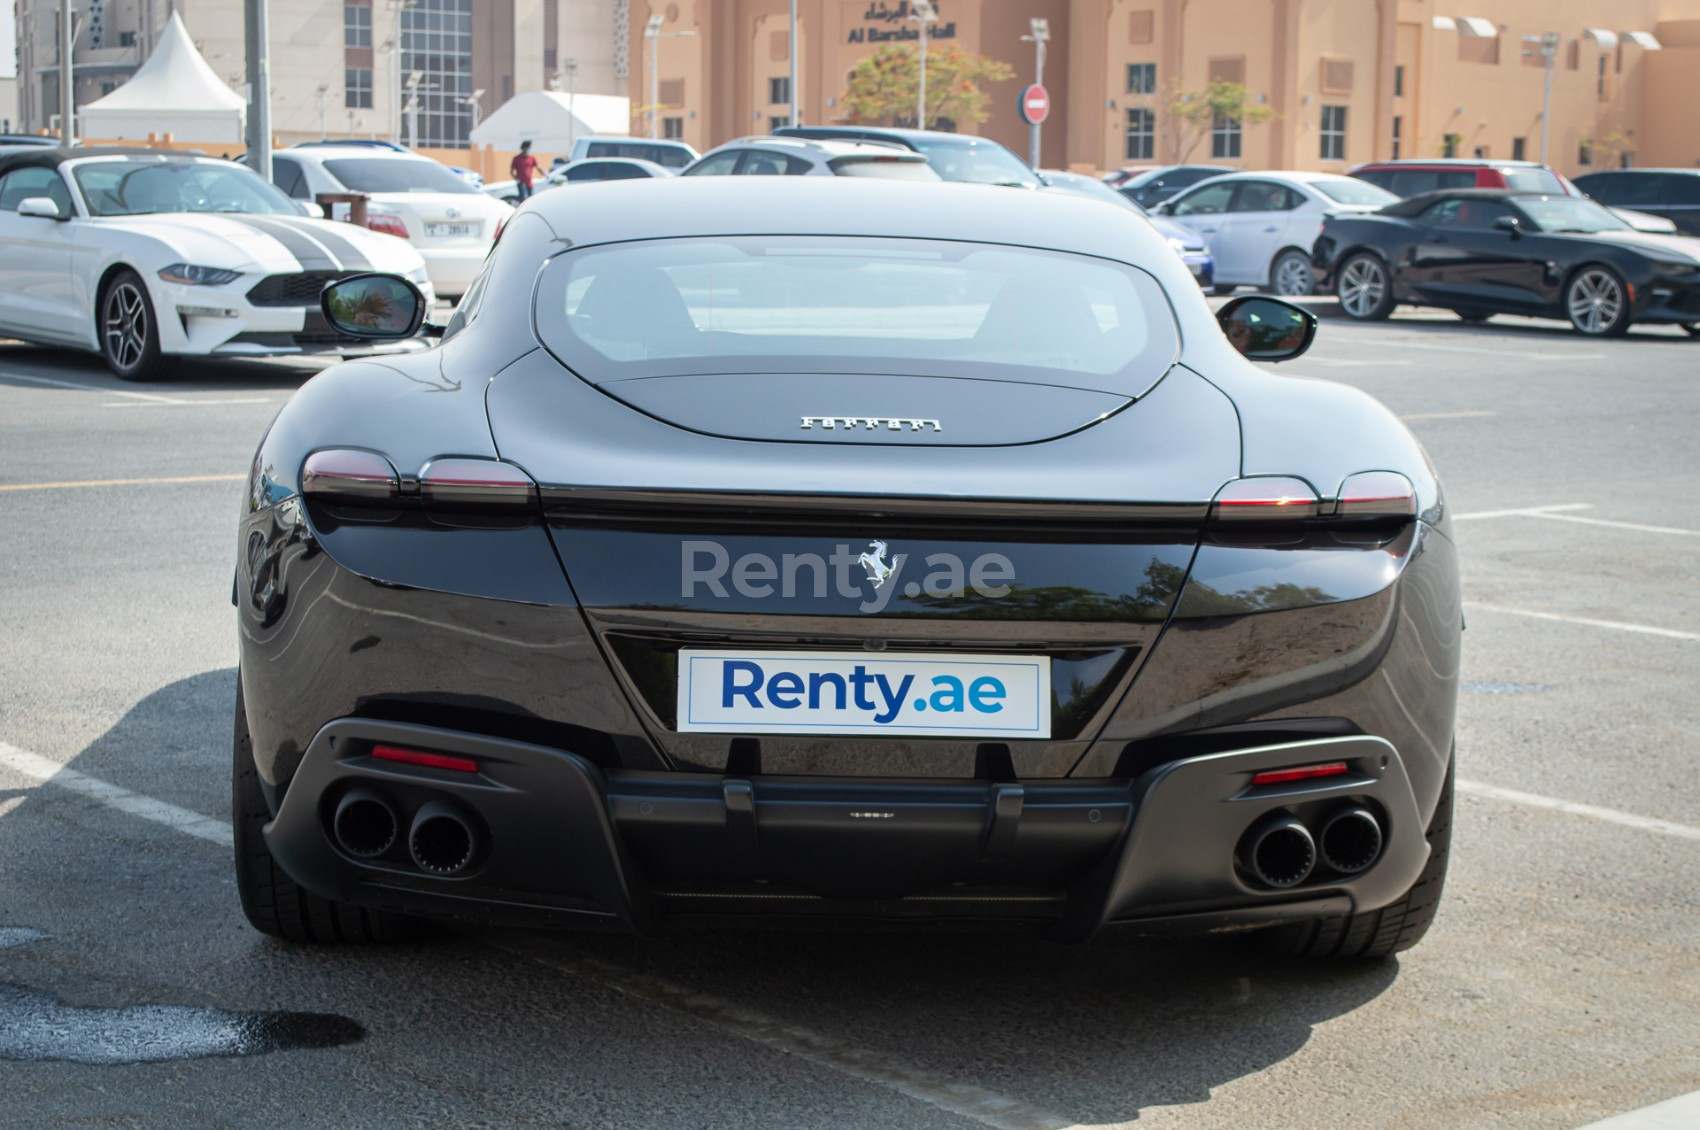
<point x="1270" y="497"/>
<point x="1302" y="773"/>
<point x="476" y="483"/>
<point x="349" y="474"/>
<point x="429" y="760"/>
<point x="1377" y="494"/>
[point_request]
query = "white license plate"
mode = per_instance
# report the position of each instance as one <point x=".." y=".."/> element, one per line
<point x="867" y="692"/>
<point x="445" y="231"/>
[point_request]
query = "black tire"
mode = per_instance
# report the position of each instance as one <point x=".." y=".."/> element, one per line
<point x="272" y="901"/>
<point x="1692" y="329"/>
<point x="1291" y="275"/>
<point x="1597" y="301"/>
<point x="1378" y="933"/>
<point x="1474" y="317"/>
<point x="1364" y="287"/>
<point x="1221" y="290"/>
<point x="129" y="335"/>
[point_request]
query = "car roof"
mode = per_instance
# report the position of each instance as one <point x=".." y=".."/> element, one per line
<point x="1300" y="176"/>
<point x="820" y="147"/>
<point x="1412" y="205"/>
<point x="1447" y="163"/>
<point x="898" y="134"/>
<point x="36" y="155"/>
<point x="326" y="150"/>
<point x="1637" y="169"/>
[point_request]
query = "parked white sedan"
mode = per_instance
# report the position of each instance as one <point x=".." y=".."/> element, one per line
<point x="1261" y="226"/>
<point x="451" y="223"/>
<point x="142" y="256"/>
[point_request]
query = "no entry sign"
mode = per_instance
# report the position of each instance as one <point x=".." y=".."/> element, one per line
<point x="1035" y="104"/>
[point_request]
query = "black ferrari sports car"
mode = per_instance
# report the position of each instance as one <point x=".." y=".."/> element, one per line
<point x="819" y="550"/>
<point x="1481" y="252"/>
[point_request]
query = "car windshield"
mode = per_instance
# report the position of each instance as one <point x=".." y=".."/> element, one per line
<point x="1350" y="190"/>
<point x="141" y="187"/>
<point x="1569" y="214"/>
<point x="980" y="162"/>
<point x="1532" y="180"/>
<point x="796" y="304"/>
<point x="883" y="168"/>
<point x="395" y="174"/>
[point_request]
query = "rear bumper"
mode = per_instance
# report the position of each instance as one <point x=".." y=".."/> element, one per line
<point x="563" y="842"/>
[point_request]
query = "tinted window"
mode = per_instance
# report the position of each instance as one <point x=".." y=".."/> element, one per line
<point x="829" y="304"/>
<point x="618" y="171"/>
<point x="1381" y="178"/>
<point x="1187" y="177"/>
<point x="1466" y="213"/>
<point x="1569" y="214"/>
<point x="1532" y="180"/>
<point x="668" y="156"/>
<point x="286" y="174"/>
<point x="1409" y="182"/>
<point x="385" y="174"/>
<point x="761" y="163"/>
<point x="584" y="172"/>
<point x="134" y="188"/>
<point x="719" y="165"/>
<point x="20" y="185"/>
<point x="1678" y="188"/>
<point x="1265" y="196"/>
<point x="1206" y="201"/>
<point x="970" y="159"/>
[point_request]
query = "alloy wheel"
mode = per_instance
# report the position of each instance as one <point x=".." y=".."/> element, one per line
<point x="1362" y="285"/>
<point x="1595" y="301"/>
<point x="1293" y="277"/>
<point x="126" y="328"/>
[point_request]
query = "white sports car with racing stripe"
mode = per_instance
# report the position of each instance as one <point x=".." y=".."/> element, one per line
<point x="143" y="256"/>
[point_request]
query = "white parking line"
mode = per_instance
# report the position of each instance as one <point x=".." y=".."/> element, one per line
<point x="1524" y="511"/>
<point x="1607" y="522"/>
<point x="988" y="1108"/>
<point x="1447" y="415"/>
<point x="50" y="772"/>
<point x="1680" y="1113"/>
<point x="1593" y="811"/>
<point x="181" y="402"/>
<point x="52" y="383"/>
<point x="1405" y="344"/>
<point x="1586" y="622"/>
<point x="1558" y="511"/>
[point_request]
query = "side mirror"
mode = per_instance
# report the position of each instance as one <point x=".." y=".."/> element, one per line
<point x="1509" y="225"/>
<point x="373" y="306"/>
<point x="316" y="211"/>
<point x="1166" y="208"/>
<point x="1267" y="329"/>
<point x="42" y="206"/>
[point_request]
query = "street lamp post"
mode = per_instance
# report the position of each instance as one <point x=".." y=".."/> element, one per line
<point x="67" y="89"/>
<point x="792" y="51"/>
<point x="259" y="88"/>
<point x="571" y="67"/>
<point x="1039" y="35"/>
<point x="392" y="45"/>
<point x="472" y="105"/>
<point x="1546" y="46"/>
<point x="923" y="13"/>
<point x="652" y="32"/>
<point x="324" y="89"/>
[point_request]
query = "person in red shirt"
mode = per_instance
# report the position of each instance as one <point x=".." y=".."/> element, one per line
<point x="523" y="167"/>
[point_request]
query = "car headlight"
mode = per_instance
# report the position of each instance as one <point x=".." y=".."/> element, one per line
<point x="1674" y="266"/>
<point x="189" y="275"/>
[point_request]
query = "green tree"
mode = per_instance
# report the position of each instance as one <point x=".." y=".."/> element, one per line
<point x="883" y="86"/>
<point x="1189" y="114"/>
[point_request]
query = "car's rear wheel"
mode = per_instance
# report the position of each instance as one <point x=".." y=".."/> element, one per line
<point x="1597" y="302"/>
<point x="1291" y="275"/>
<point x="129" y="336"/>
<point x="272" y="901"/>
<point x="1474" y="317"/>
<point x="1378" y="933"/>
<point x="1364" y="288"/>
<point x="1222" y="289"/>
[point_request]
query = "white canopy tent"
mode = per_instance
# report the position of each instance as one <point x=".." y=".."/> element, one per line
<point x="552" y="121"/>
<point x="173" y="92"/>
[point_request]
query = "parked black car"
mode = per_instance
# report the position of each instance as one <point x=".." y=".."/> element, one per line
<point x="1153" y="186"/>
<point x="1671" y="193"/>
<point x="1482" y="252"/>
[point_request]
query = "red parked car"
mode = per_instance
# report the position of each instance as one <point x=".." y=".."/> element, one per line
<point x="1407" y="178"/>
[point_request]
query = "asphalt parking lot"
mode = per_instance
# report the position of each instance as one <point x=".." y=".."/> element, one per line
<point x="1560" y="984"/>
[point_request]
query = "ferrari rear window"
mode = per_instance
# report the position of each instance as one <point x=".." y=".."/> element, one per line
<point x="806" y="304"/>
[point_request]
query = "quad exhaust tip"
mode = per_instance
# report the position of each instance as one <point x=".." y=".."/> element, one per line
<point x="1279" y="851"/>
<point x="1351" y="840"/>
<point x="365" y="823"/>
<point x="442" y="839"/>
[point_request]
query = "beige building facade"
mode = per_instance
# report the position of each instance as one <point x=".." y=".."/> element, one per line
<point x="1347" y="81"/>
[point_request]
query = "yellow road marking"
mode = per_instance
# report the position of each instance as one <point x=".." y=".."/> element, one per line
<point x="125" y="482"/>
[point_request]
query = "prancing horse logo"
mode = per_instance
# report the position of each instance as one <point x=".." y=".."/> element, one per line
<point x="873" y="560"/>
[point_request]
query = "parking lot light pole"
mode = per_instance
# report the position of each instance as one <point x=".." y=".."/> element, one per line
<point x="67" y="87"/>
<point x="1039" y="35"/>
<point x="652" y="32"/>
<point x="259" y="88"/>
<point x="792" y="81"/>
<point x="1546" y="46"/>
<point x="923" y="13"/>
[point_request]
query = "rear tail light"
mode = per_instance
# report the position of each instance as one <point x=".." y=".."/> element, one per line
<point x="1300" y="773"/>
<point x="1377" y="494"/>
<point x="387" y="223"/>
<point x="1265" y="499"/>
<point x="476" y="484"/>
<point x="348" y="475"/>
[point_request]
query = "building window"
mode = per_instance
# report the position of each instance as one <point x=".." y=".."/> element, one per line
<point x="1573" y="55"/>
<point x="673" y="129"/>
<point x="1334" y="133"/>
<point x="357" y="88"/>
<point x="778" y="121"/>
<point x="1600" y="82"/>
<point x="126" y="39"/>
<point x="1481" y="153"/>
<point x="436" y="41"/>
<point x="1449" y="145"/>
<point x="1585" y="153"/>
<point x="1142" y="78"/>
<point x="107" y="88"/>
<point x="1398" y="137"/>
<point x="779" y="90"/>
<point x="1519" y="147"/>
<point x="1224" y="136"/>
<point x="1141" y="135"/>
<point x="1399" y="82"/>
<point x="356" y="25"/>
<point x="1626" y="160"/>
